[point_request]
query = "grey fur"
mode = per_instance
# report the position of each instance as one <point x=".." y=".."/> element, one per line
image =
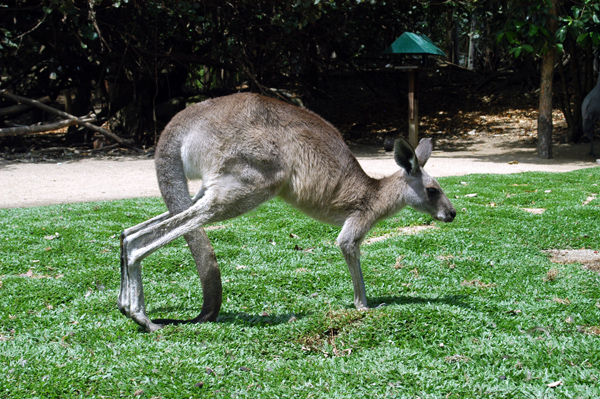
<point x="248" y="149"/>
<point x="590" y="112"/>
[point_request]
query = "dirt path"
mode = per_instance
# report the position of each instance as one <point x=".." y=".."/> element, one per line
<point x="96" y="179"/>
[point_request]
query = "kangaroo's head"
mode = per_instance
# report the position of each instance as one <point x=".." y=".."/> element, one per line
<point x="424" y="193"/>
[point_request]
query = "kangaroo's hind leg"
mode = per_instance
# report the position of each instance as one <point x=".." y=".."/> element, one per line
<point x="216" y="205"/>
<point x="209" y="273"/>
<point x="226" y="196"/>
<point x="175" y="192"/>
<point x="204" y="257"/>
<point x="124" y="301"/>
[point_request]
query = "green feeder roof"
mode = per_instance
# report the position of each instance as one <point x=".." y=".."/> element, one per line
<point x="413" y="43"/>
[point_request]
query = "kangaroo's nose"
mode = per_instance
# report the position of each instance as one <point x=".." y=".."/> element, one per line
<point x="451" y="215"/>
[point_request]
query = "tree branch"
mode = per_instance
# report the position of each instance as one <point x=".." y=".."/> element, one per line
<point x="45" y="127"/>
<point x="35" y="103"/>
<point x="16" y="109"/>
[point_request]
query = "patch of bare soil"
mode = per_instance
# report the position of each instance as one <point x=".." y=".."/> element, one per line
<point x="409" y="230"/>
<point x="535" y="211"/>
<point x="589" y="258"/>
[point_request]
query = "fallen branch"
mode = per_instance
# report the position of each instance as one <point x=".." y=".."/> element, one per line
<point x="44" y="127"/>
<point x="88" y="125"/>
<point x="16" y="109"/>
<point x="51" y="149"/>
<point x="73" y="149"/>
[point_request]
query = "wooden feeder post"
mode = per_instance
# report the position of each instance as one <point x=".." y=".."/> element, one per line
<point x="418" y="47"/>
<point x="413" y="107"/>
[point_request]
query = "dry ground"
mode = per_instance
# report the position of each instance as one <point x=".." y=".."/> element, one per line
<point x="492" y="130"/>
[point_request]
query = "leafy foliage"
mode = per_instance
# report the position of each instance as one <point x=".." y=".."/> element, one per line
<point x="139" y="54"/>
<point x="137" y="63"/>
<point x="527" y="30"/>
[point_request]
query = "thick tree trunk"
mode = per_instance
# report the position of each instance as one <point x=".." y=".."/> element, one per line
<point x="545" y="112"/>
<point x="544" y="145"/>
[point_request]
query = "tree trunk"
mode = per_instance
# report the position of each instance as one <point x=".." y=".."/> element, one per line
<point x="448" y="46"/>
<point x="544" y="145"/>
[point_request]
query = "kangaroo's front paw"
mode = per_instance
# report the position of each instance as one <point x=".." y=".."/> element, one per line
<point x="362" y="307"/>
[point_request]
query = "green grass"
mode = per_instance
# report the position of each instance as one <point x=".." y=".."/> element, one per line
<point x="470" y="308"/>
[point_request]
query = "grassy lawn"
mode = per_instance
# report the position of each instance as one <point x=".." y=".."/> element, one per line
<point x="470" y="309"/>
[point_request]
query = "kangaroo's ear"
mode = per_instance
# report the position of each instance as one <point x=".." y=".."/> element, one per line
<point x="405" y="156"/>
<point x="423" y="151"/>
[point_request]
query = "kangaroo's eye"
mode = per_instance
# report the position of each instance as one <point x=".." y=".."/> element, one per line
<point x="432" y="192"/>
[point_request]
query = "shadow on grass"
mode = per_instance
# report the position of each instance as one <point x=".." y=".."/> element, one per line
<point x="453" y="300"/>
<point x="239" y="318"/>
<point x="259" y="320"/>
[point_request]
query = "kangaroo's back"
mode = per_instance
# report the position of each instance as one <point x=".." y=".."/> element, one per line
<point x="254" y="125"/>
<point x="303" y="157"/>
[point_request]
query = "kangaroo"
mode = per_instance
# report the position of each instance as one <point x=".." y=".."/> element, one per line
<point x="590" y="113"/>
<point x="248" y="149"/>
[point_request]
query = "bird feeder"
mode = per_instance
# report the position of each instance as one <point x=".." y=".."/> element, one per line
<point x="410" y="53"/>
